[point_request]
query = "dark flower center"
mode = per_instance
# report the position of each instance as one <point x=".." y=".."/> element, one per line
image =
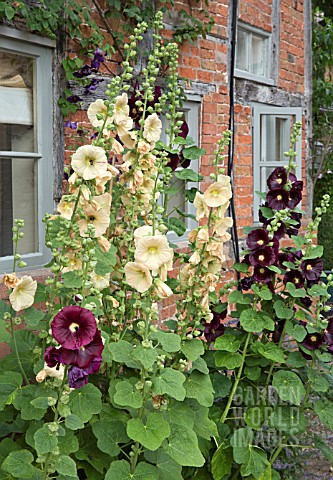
<point x="91" y="219"/>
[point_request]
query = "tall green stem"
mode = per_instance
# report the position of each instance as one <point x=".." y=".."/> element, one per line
<point x="235" y="385"/>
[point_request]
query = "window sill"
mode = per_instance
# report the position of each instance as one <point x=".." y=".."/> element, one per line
<point x="254" y="78"/>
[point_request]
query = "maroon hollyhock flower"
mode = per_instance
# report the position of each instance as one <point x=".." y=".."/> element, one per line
<point x="262" y="274"/>
<point x="257" y="239"/>
<point x="313" y="341"/>
<point x="312" y="269"/>
<point x="278" y="331"/>
<point x="52" y="356"/>
<point x="277" y="199"/>
<point x="246" y="283"/>
<point x="77" y="377"/>
<point x="83" y="356"/>
<point x="295" y="196"/>
<point x="74" y="327"/>
<point x="263" y="256"/>
<point x="95" y="365"/>
<point x="277" y="179"/>
<point x="306" y="301"/>
<point x="214" y="329"/>
<point x="294" y="277"/>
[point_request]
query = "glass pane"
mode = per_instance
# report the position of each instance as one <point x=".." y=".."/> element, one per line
<point x="241" y="55"/>
<point x="264" y="174"/>
<point x="258" y="56"/>
<point x="16" y="103"/>
<point x="18" y="199"/>
<point x="176" y="199"/>
<point x="275" y="137"/>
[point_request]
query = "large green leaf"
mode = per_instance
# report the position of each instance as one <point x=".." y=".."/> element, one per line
<point x="170" y="342"/>
<point x="221" y="384"/>
<point x="222" y="462"/>
<point x="289" y="419"/>
<point x="324" y="448"/>
<point x="192" y="349"/>
<point x="170" y="381"/>
<point x="109" y="434"/>
<point x="9" y="383"/>
<point x="324" y="410"/>
<point x="203" y="426"/>
<point x="298" y="332"/>
<point x="253" y="321"/>
<point x="188" y="175"/>
<point x="150" y="433"/>
<point x="272" y="352"/>
<point x="228" y="360"/>
<point x="167" y="468"/>
<point x="127" y="396"/>
<point x="121" y="470"/>
<point x="318" y="382"/>
<point x="105" y="260"/>
<point x="289" y="386"/>
<point x="122" y="353"/>
<point x="282" y="311"/>
<point x="18" y="464"/>
<point x="85" y="402"/>
<point x="228" y="342"/>
<point x="199" y="386"/>
<point x="66" y="466"/>
<point x="45" y="440"/>
<point x="182" y="446"/>
<point x="22" y="401"/>
<point x="146" y="356"/>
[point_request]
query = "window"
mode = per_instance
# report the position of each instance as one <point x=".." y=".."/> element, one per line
<point x="191" y="110"/>
<point x="26" y="183"/>
<point x="253" y="57"/>
<point x="272" y="127"/>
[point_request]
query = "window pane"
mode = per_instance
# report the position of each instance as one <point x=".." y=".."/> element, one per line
<point x="16" y="103"/>
<point x="241" y="56"/>
<point x="18" y="199"/>
<point x="258" y="56"/>
<point x="275" y="135"/>
<point x="176" y="200"/>
<point x="264" y="174"/>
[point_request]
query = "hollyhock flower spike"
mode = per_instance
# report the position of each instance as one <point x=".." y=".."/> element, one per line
<point x="74" y="327"/>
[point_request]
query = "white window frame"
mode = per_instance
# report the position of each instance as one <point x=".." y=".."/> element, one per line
<point x="258" y="141"/>
<point x="41" y="50"/>
<point x="193" y="107"/>
<point x="267" y="38"/>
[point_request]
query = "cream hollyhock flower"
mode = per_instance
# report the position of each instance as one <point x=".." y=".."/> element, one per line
<point x="56" y="372"/>
<point x="96" y="108"/>
<point x="186" y="275"/>
<point x="104" y="244"/>
<point x="100" y="281"/>
<point x="128" y="138"/>
<point x="218" y="193"/>
<point x="220" y="211"/>
<point x="121" y="109"/>
<point x="153" y="251"/>
<point x="124" y="126"/>
<point x="222" y="225"/>
<point x="215" y="249"/>
<point x="74" y="263"/>
<point x="212" y="264"/>
<point x="65" y="208"/>
<point x="138" y="276"/>
<point x="99" y="218"/>
<point x="162" y="289"/>
<point x="23" y="295"/>
<point x="143" y="147"/>
<point x="203" y="236"/>
<point x="201" y="206"/>
<point x="117" y="147"/>
<point x="10" y="280"/>
<point x="89" y="162"/>
<point x="194" y="258"/>
<point x="152" y="128"/>
<point x="101" y="181"/>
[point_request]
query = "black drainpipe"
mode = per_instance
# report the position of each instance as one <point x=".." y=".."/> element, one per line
<point x="234" y="9"/>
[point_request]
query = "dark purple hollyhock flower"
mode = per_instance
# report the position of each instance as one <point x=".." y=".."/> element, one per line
<point x="214" y="329"/>
<point x="74" y="327"/>
<point x="99" y="56"/>
<point x="262" y="274"/>
<point x="312" y="269"/>
<point x="285" y="257"/>
<point x="263" y="256"/>
<point x="74" y="99"/>
<point x="278" y="331"/>
<point x="77" y="377"/>
<point x="295" y="196"/>
<point x="313" y="341"/>
<point x="294" y="277"/>
<point x="306" y="301"/>
<point x="257" y="239"/>
<point x="262" y="219"/>
<point x="95" y="365"/>
<point x="173" y="160"/>
<point x="246" y="259"/>
<point x="83" y="72"/>
<point x="278" y="199"/>
<point x="83" y="356"/>
<point x="67" y="175"/>
<point x="246" y="283"/>
<point x="52" y="356"/>
<point x="72" y="125"/>
<point x="277" y="179"/>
